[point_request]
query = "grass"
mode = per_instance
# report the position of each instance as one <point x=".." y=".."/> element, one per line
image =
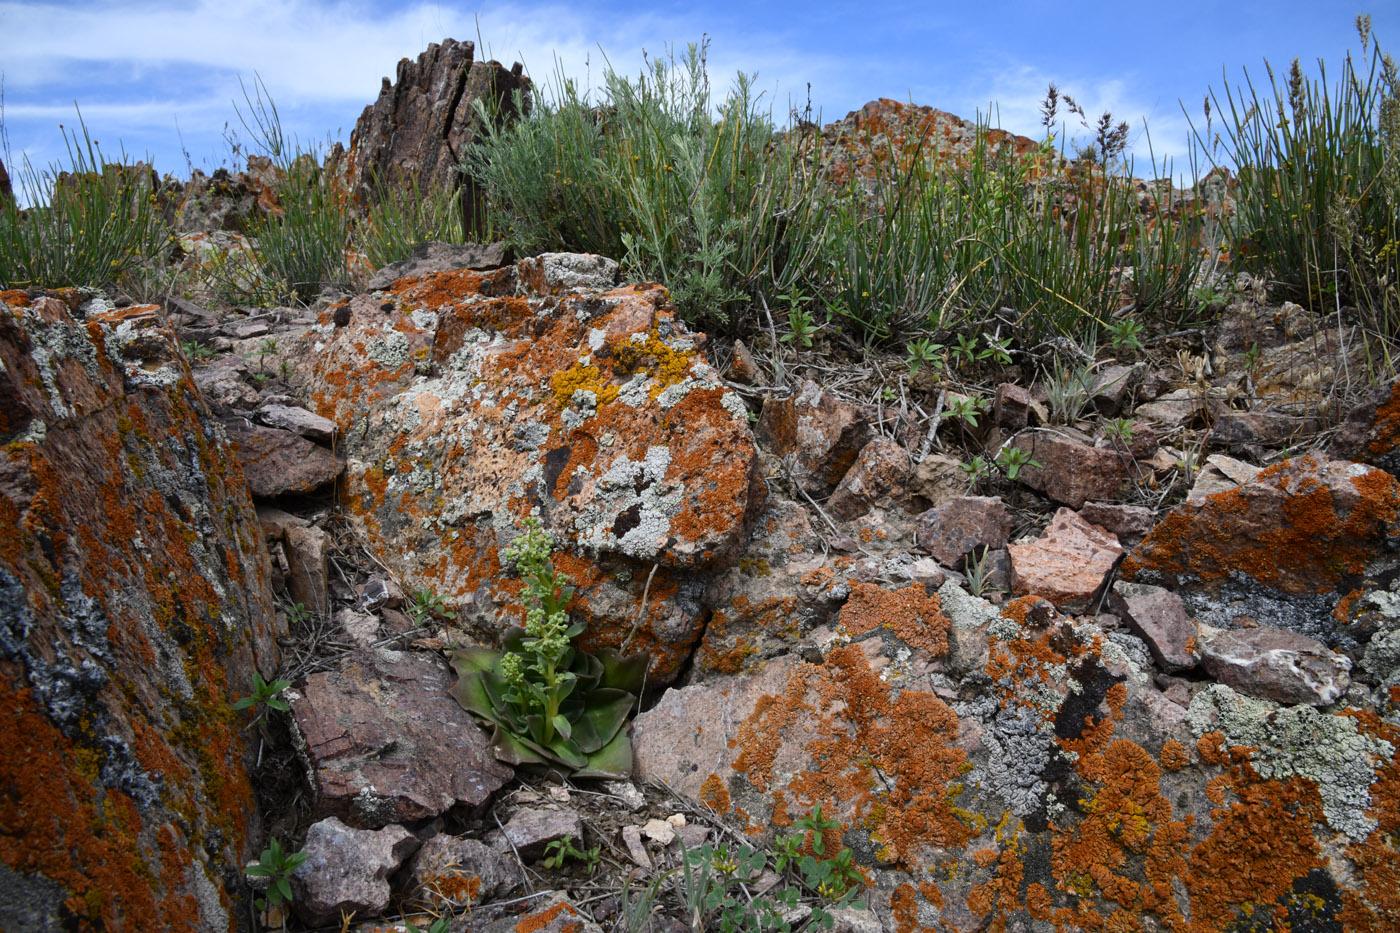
<point x="1318" y="201"/>
<point x="92" y="222"/>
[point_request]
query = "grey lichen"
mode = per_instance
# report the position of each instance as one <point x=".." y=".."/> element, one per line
<point x="1299" y="741"/>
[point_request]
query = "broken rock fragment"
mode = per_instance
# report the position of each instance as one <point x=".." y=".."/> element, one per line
<point x="1158" y="617"/>
<point x="1067" y="564"/>
<point x="818" y="435"/>
<point x="1070" y="471"/>
<point x="347" y="870"/>
<point x="951" y="530"/>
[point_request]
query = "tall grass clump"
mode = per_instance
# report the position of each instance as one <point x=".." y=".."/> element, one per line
<point x="1318" y="201"/>
<point x="87" y="223"/>
<point x="401" y="218"/>
<point x="304" y="244"/>
<point x="703" y="198"/>
<point x="1050" y="246"/>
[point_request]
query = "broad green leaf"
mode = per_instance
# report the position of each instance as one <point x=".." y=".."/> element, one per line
<point x="562" y="726"/>
<point x="603" y="715"/>
<point x="612" y="761"/>
<point x="624" y="673"/>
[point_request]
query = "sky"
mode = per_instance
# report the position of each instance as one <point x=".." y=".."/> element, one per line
<point x="161" y="80"/>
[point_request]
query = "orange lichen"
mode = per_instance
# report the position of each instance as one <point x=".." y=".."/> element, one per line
<point x="1173" y="755"/>
<point x="1373" y="905"/>
<point x="911" y="615"/>
<point x="654" y="358"/>
<point x="714" y="794"/>
<point x="583" y="377"/>
<point x="543" y="918"/>
<point x="1115" y="698"/>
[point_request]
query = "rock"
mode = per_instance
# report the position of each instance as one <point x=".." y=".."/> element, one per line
<point x="742" y="368"/>
<point x="1067" y="564"/>
<point x="360" y="627"/>
<point x="477" y="400"/>
<point x="951" y="531"/>
<point x="440" y="257"/>
<point x="969" y="617"/>
<point x="347" y="870"/>
<point x="135" y="607"/>
<point x="816" y="433"/>
<point x="412" y="138"/>
<point x="386" y="742"/>
<point x="456" y="872"/>
<point x="1114" y="387"/>
<point x="225" y="386"/>
<point x="550" y="913"/>
<point x="1071" y="472"/>
<point x="636" y="849"/>
<point x="246" y="330"/>
<point x="1011" y="407"/>
<point x="277" y="462"/>
<point x="1182" y="408"/>
<point x="224" y="200"/>
<point x="298" y="421"/>
<point x="936" y="480"/>
<point x="1284" y="549"/>
<point x="1220" y="474"/>
<point x="379" y="592"/>
<point x="1159" y="618"/>
<point x="561" y="273"/>
<point x="659" y="831"/>
<point x="530" y="830"/>
<point x="1275" y="664"/>
<point x="307" y="547"/>
<point x="880" y="468"/>
<point x="1129" y="523"/>
<point x="1237" y="430"/>
<point x="1371" y="430"/>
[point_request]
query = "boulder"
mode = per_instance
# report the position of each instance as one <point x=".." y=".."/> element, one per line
<point x="413" y="137"/>
<point x="1275" y="664"/>
<point x="347" y="870"/>
<point x="135" y="607"/>
<point x="299" y="421"/>
<point x="1284" y="549"/>
<point x="1067" y="564"/>
<point x="386" y="742"/>
<point x="1371" y="430"/>
<point x="817" y="434"/>
<point x="457" y="872"/>
<point x="468" y="400"/>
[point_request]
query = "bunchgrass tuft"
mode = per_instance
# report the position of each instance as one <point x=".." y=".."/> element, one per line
<point x="91" y="223"/>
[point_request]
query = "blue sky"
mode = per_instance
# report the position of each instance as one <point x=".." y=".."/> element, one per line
<point x="151" y="75"/>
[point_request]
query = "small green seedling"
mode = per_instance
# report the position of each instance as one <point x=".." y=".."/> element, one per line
<point x="440" y="925"/>
<point x="1125" y="335"/>
<point x="561" y="849"/>
<point x="801" y="327"/>
<point x="1013" y="459"/>
<point x="924" y="351"/>
<point x="276" y="866"/>
<point x="196" y="351"/>
<point x="976" y="470"/>
<point x="965" y="351"/>
<point x="264" y="697"/>
<point x="965" y="409"/>
<point x="424" y="604"/>
<point x="1119" y="430"/>
<point x="265" y="349"/>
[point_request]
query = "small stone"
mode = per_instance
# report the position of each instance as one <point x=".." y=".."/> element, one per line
<point x="742" y="368"/>
<point x="276" y="462"/>
<point x="1067" y="564"/>
<point x="1275" y="664"/>
<point x="1129" y="523"/>
<point x="246" y="331"/>
<point x="627" y="792"/>
<point x="1158" y="617"/>
<point x="1220" y="474"/>
<point x="659" y="831"/>
<point x="530" y="831"/>
<point x="820" y="434"/>
<point x="347" y="870"/>
<point x="379" y="592"/>
<point x="1011" y="407"/>
<point x="636" y="849"/>
<point x="459" y="872"/>
<point x="361" y="627"/>
<point x="1114" y="387"/>
<point x="307" y="548"/>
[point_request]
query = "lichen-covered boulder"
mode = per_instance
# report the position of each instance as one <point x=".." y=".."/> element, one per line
<point x="469" y="400"/>
<point x="1295" y="547"/>
<point x="134" y="606"/>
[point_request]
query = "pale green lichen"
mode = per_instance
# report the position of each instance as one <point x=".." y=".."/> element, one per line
<point x="1299" y="741"/>
<point x="391" y="352"/>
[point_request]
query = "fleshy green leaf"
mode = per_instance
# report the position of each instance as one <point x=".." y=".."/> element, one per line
<point x="624" y="673"/>
<point x="604" y="713"/>
<point x="612" y="761"/>
<point x="562" y="726"/>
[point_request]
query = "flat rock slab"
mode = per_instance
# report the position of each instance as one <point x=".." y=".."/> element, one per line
<point x="440" y="257"/>
<point x="949" y="531"/>
<point x="1276" y="664"/>
<point x="276" y="462"/>
<point x="347" y="870"/>
<point x="386" y="741"/>
<point x="299" y="421"/>
<point x="1067" y="564"/>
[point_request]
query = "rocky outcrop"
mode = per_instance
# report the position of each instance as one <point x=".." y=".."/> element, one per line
<point x="134" y="609"/>
<point x="469" y="400"/>
<point x="416" y="132"/>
